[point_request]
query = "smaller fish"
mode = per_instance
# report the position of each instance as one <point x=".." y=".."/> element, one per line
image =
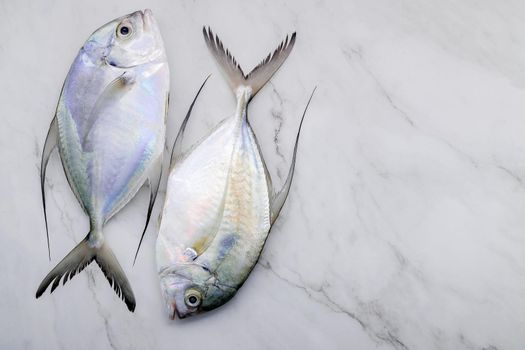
<point x="219" y="204"/>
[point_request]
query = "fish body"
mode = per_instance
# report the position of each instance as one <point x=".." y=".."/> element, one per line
<point x="216" y="216"/>
<point x="110" y="132"/>
<point x="219" y="205"/>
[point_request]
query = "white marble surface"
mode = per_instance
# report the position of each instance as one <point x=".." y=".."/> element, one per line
<point x="405" y="226"/>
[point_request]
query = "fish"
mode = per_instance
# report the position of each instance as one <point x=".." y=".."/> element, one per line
<point x="220" y="203"/>
<point x="109" y="128"/>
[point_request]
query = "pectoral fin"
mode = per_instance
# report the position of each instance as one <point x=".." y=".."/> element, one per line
<point x="113" y="92"/>
<point x="49" y="146"/>
<point x="278" y="200"/>
<point x="153" y="182"/>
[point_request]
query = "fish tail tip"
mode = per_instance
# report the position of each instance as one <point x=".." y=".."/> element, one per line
<point x="131" y="306"/>
<point x="39" y="293"/>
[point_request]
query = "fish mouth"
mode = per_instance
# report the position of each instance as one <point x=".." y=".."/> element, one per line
<point x="113" y="64"/>
<point x="175" y="313"/>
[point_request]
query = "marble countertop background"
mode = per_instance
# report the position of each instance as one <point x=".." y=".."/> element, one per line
<point x="405" y="225"/>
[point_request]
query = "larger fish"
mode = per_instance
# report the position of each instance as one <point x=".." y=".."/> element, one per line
<point x="110" y="129"/>
<point x="219" y="204"/>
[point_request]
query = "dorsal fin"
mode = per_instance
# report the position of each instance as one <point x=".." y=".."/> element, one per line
<point x="49" y="146"/>
<point x="176" y="150"/>
<point x="278" y="200"/>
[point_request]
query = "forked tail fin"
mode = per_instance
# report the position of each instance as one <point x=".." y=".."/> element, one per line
<point x="258" y="77"/>
<point x="80" y="257"/>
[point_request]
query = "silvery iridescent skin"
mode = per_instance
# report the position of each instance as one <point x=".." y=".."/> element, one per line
<point x="111" y="129"/>
<point x="219" y="204"/>
<point x="216" y="218"/>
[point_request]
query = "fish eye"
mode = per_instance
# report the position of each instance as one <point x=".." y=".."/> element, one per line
<point x="192" y="298"/>
<point x="124" y="30"/>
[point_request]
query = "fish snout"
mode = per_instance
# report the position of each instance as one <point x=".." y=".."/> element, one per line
<point x="174" y="313"/>
<point x="170" y="309"/>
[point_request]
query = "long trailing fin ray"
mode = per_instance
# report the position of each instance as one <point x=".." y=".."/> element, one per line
<point x="279" y="199"/>
<point x="176" y="150"/>
<point x="258" y="77"/>
<point x="153" y="182"/>
<point x="80" y="257"/>
<point x="49" y="146"/>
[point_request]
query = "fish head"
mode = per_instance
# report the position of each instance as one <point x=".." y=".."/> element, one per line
<point x="128" y="41"/>
<point x="183" y="297"/>
<point x="191" y="289"/>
